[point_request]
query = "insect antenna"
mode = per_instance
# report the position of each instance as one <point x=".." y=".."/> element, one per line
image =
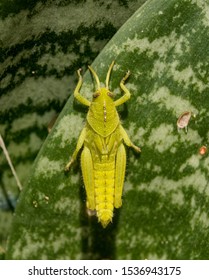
<point x="95" y="76"/>
<point x="108" y="74"/>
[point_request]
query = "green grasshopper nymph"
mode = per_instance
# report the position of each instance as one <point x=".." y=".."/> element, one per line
<point x="103" y="157"/>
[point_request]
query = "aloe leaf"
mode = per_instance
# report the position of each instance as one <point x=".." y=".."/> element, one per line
<point x="165" y="204"/>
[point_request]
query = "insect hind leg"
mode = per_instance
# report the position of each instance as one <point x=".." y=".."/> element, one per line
<point x="119" y="175"/>
<point x="88" y="177"/>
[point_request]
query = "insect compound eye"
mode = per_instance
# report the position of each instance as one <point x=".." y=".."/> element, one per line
<point x="96" y="94"/>
<point x="110" y="94"/>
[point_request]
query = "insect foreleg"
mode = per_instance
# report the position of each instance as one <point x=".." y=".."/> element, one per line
<point x="77" y="149"/>
<point x="127" y="94"/>
<point x="127" y="140"/>
<point x="88" y="176"/>
<point x="119" y="174"/>
<point x="77" y="95"/>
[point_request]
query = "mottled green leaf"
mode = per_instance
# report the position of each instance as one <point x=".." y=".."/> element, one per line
<point x="42" y="43"/>
<point x="165" y="212"/>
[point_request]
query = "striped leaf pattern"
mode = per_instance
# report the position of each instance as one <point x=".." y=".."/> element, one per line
<point x="42" y="44"/>
<point x="165" y="204"/>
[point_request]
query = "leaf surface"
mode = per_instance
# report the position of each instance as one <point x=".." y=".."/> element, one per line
<point x="165" y="203"/>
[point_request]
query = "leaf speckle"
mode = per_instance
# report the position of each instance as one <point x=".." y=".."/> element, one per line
<point x="48" y="168"/>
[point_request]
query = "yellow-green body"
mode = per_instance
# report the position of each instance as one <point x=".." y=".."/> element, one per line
<point x="103" y="158"/>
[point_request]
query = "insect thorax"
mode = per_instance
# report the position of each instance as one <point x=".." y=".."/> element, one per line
<point x="103" y="149"/>
<point x="103" y="117"/>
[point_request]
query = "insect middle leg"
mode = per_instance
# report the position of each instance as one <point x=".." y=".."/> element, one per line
<point x="77" y="149"/>
<point x="127" y="140"/>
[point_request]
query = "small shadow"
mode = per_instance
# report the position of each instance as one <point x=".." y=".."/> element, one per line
<point x="123" y="111"/>
<point x="10" y="202"/>
<point x="98" y="243"/>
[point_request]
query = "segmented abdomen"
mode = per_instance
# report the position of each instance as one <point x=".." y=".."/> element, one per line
<point x="104" y="180"/>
